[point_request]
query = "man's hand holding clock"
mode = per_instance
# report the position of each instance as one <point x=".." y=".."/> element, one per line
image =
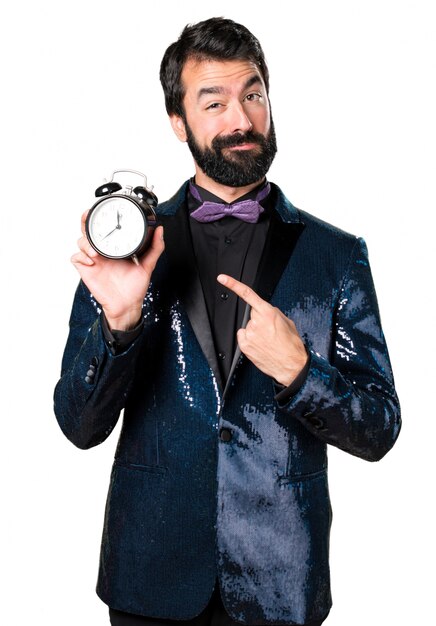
<point x="117" y="284"/>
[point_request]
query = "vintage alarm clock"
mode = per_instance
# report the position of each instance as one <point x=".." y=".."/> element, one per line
<point x="121" y="223"/>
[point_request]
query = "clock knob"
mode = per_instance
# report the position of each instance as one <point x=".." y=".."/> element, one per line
<point x="107" y="189"/>
<point x="148" y="196"/>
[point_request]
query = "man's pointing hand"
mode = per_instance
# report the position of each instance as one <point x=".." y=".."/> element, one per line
<point x="270" y="340"/>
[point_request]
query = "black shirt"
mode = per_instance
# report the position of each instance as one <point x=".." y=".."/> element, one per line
<point x="227" y="246"/>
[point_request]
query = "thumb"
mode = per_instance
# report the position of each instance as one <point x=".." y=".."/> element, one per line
<point x="150" y="258"/>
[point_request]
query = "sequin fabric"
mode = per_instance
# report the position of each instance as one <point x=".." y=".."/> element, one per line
<point x="187" y="506"/>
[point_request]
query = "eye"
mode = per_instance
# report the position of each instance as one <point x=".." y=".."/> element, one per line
<point x="213" y="106"/>
<point x="253" y="97"/>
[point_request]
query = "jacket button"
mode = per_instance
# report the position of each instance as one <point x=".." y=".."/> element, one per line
<point x="90" y="374"/>
<point x="316" y="422"/>
<point x="225" y="435"/>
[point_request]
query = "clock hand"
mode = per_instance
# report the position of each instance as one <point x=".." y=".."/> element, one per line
<point x="117" y="227"/>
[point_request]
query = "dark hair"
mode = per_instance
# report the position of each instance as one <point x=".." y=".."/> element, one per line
<point x="214" y="39"/>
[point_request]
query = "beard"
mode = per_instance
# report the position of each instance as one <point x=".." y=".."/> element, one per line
<point x="240" y="167"/>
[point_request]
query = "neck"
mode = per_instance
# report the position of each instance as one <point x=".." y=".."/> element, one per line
<point x="228" y="194"/>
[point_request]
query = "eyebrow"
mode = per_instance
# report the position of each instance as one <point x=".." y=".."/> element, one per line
<point x="205" y="91"/>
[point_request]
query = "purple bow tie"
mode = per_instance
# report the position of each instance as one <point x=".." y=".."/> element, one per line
<point x="246" y="210"/>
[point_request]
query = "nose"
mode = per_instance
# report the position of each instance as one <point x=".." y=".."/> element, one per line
<point x="239" y="120"/>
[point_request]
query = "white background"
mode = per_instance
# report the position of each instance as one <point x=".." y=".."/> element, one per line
<point x="353" y="97"/>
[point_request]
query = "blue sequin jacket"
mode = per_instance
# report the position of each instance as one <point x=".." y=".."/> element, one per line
<point x="185" y="506"/>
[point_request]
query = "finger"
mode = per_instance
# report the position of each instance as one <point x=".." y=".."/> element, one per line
<point x="243" y="291"/>
<point x="83" y="222"/>
<point x="85" y="247"/>
<point x="83" y="242"/>
<point x="241" y="338"/>
<point x="80" y="258"/>
<point x="157" y="246"/>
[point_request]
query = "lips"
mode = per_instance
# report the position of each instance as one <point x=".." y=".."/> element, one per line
<point x="243" y="147"/>
<point x="247" y="141"/>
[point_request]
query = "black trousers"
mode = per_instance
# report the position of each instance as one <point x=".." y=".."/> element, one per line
<point x="213" y="615"/>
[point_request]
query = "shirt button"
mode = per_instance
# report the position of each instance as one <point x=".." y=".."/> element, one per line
<point x="225" y="435"/>
<point x="222" y="355"/>
<point x="224" y="296"/>
<point x="227" y="240"/>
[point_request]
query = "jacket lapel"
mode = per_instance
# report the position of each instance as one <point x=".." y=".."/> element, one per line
<point x="281" y="240"/>
<point x="181" y="259"/>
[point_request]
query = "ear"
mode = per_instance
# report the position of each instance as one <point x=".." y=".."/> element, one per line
<point x="178" y="127"/>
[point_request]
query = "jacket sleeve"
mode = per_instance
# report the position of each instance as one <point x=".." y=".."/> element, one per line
<point x="349" y="399"/>
<point x="94" y="384"/>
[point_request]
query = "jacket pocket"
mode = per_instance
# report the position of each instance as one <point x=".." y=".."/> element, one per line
<point x="290" y="479"/>
<point x="149" y="469"/>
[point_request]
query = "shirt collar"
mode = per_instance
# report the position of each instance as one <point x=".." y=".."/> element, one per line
<point x="208" y="196"/>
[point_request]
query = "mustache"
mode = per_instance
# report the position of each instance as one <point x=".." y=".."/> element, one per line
<point x="231" y="141"/>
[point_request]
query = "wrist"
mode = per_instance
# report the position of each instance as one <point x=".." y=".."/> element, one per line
<point x="288" y="375"/>
<point x="124" y="322"/>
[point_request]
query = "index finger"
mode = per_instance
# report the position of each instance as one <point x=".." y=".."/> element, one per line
<point x="243" y="291"/>
<point x="83" y="221"/>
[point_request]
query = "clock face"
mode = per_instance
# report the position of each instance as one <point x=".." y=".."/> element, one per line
<point x="116" y="227"/>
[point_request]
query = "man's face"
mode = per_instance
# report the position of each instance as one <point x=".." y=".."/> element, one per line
<point x="227" y="122"/>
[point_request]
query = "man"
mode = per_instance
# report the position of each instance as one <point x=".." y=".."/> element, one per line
<point x="237" y="353"/>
